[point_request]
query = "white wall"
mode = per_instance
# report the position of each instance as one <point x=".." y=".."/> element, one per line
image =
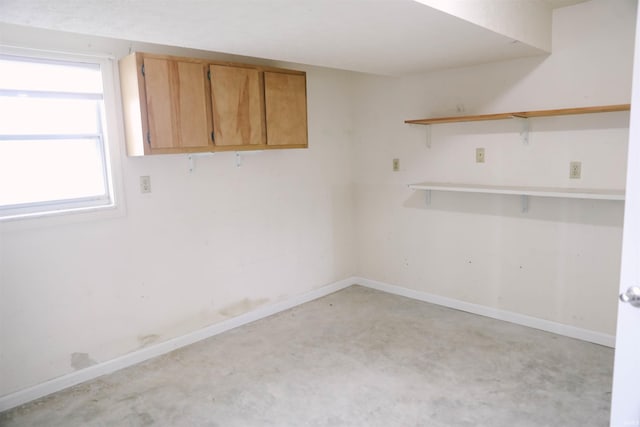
<point x="525" y="21"/>
<point x="200" y="248"/>
<point x="560" y="261"/>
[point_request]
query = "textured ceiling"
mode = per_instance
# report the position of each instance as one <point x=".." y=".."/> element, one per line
<point x="375" y="36"/>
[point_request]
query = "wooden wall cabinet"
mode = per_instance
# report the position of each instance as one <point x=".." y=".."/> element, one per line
<point x="237" y="95"/>
<point x="286" y="108"/>
<point x="184" y="105"/>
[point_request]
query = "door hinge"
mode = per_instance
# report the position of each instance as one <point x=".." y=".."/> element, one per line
<point x="142" y="69"/>
<point x="148" y="137"/>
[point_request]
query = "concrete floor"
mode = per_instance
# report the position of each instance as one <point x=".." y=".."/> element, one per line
<point x="358" y="357"/>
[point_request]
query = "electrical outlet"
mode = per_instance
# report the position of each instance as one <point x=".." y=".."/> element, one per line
<point x="396" y="165"/>
<point x="145" y="184"/>
<point x="479" y="155"/>
<point x="575" y="170"/>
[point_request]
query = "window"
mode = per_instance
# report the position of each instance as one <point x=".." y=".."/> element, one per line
<point x="53" y="154"/>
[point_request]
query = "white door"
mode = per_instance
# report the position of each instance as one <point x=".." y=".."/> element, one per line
<point x="625" y="404"/>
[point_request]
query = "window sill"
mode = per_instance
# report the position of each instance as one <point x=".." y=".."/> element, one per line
<point x="61" y="217"/>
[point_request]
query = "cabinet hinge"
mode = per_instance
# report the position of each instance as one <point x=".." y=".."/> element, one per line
<point x="142" y="69"/>
<point x="148" y="137"/>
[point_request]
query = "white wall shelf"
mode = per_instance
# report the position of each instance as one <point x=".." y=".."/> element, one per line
<point x="571" y="193"/>
<point x="524" y="192"/>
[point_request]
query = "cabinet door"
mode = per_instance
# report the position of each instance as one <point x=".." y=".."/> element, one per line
<point x="238" y="106"/>
<point x="286" y="108"/>
<point x="177" y="107"/>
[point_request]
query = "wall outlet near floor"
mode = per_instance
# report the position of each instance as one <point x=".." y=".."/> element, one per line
<point x="396" y="165"/>
<point x="575" y="170"/>
<point x="479" y="155"/>
<point x="145" y="184"/>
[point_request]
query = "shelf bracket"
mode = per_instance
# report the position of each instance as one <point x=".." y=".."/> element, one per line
<point x="192" y="163"/>
<point x="524" y="130"/>
<point x="525" y="203"/>
<point x="238" y="159"/>
<point x="427" y="197"/>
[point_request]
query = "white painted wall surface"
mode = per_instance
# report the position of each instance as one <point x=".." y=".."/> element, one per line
<point x="199" y="249"/>
<point x="525" y="21"/>
<point x="560" y="261"/>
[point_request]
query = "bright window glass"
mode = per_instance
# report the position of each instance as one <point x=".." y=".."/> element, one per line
<point x="34" y="74"/>
<point x="52" y="144"/>
<point x="47" y="116"/>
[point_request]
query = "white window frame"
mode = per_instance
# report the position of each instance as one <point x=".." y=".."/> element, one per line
<point x="111" y="135"/>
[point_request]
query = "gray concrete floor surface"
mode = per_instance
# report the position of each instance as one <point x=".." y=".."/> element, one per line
<point x="358" y="357"/>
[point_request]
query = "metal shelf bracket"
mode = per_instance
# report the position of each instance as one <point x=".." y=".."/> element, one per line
<point x="524" y="130"/>
<point x="525" y="203"/>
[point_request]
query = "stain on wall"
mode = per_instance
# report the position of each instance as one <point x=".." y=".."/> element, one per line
<point x="146" y="340"/>
<point x="81" y="361"/>
<point x="242" y="307"/>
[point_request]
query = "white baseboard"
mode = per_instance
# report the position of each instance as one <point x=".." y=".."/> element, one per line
<point x="495" y="313"/>
<point x="40" y="390"/>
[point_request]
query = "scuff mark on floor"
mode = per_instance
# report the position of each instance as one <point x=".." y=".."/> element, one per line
<point x="242" y="307"/>
<point x="81" y="361"/>
<point x="138" y="419"/>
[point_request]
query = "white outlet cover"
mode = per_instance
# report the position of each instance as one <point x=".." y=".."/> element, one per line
<point x="575" y="170"/>
<point x="145" y="184"/>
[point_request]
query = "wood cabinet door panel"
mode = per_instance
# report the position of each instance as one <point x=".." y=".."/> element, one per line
<point x="176" y="103"/>
<point x="193" y="115"/>
<point x="162" y="133"/>
<point x="286" y="108"/>
<point x="237" y="104"/>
